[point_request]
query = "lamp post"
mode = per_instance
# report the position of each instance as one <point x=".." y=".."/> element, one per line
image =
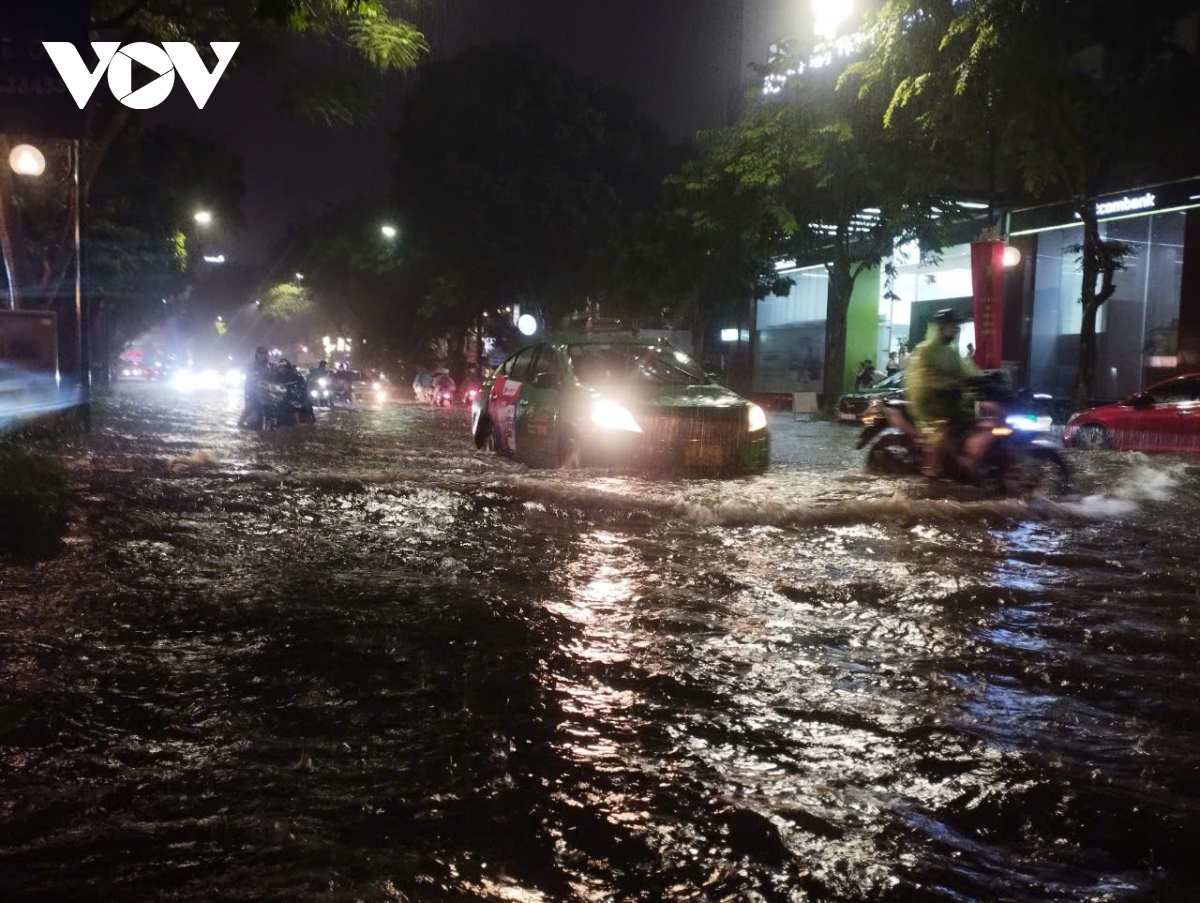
<point x="203" y="218"/>
<point x="389" y="232"/>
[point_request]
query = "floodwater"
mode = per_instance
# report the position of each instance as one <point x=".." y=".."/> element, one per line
<point x="362" y="662"/>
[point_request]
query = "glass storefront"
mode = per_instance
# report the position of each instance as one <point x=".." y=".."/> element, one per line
<point x="917" y="292"/>
<point x="1137" y="328"/>
<point x="791" y="345"/>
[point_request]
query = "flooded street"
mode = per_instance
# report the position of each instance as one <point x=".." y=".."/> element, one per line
<point x="362" y="661"/>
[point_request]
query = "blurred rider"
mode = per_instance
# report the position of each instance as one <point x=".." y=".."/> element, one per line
<point x="443" y="384"/>
<point x="260" y="368"/>
<point x="423" y="385"/>
<point x="936" y="378"/>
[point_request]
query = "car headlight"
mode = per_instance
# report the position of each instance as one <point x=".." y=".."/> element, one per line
<point x="381" y="395"/>
<point x="758" y="418"/>
<point x="608" y="415"/>
<point x="376" y="386"/>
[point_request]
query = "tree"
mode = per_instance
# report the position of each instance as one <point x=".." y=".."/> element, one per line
<point x="836" y="185"/>
<point x="707" y="248"/>
<point x="286" y="300"/>
<point x="1087" y="91"/>
<point x="139" y="237"/>
<point x="364" y="28"/>
<point x="358" y="279"/>
<point x="513" y="178"/>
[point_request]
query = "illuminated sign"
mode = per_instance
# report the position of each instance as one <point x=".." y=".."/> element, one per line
<point x="1125" y="205"/>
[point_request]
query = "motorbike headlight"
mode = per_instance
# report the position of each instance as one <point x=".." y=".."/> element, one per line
<point x="323" y="382"/>
<point x="313" y="393"/>
<point x="1029" y="423"/>
<point x="608" y="415"/>
<point x="758" y="418"/>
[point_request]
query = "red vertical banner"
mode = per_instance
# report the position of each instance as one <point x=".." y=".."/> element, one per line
<point x="987" y="290"/>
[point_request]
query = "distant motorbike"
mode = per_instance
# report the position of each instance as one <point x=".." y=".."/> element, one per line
<point x="341" y="388"/>
<point x="444" y="391"/>
<point x="1003" y="451"/>
<point x="284" y="397"/>
<point x="469" y="393"/>
<point x="319" y="390"/>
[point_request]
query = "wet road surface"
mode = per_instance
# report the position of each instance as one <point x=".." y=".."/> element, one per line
<point x="361" y="661"/>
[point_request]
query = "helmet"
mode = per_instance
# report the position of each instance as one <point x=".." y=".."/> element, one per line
<point x="947" y="315"/>
<point x="261" y="349"/>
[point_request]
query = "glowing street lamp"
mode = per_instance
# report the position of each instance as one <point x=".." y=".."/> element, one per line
<point x="527" y="324"/>
<point x="203" y="218"/>
<point x="27" y="160"/>
<point x="299" y="277"/>
<point x="389" y="232"/>
<point x="1012" y="256"/>
<point x="828" y="16"/>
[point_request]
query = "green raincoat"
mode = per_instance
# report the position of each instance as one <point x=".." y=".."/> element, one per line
<point x="933" y="369"/>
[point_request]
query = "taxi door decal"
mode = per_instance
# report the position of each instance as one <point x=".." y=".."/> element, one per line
<point x="503" y="410"/>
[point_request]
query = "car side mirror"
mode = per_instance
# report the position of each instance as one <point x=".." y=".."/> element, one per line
<point x="1141" y="400"/>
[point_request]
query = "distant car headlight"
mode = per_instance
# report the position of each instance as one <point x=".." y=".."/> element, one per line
<point x="758" y="418"/>
<point x="313" y="393"/>
<point x="376" y="385"/>
<point x="381" y="395"/>
<point x="608" y="415"/>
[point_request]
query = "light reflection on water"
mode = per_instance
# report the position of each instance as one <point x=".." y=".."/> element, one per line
<point x="363" y="661"/>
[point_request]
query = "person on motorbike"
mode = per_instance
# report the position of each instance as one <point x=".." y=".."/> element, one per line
<point x="443" y="384"/>
<point x="936" y="378"/>
<point x="423" y="386"/>
<point x="260" y="368"/>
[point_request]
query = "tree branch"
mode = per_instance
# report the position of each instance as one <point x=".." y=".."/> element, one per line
<point x="122" y="17"/>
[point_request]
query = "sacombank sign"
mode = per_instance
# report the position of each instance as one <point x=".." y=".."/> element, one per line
<point x="164" y="62"/>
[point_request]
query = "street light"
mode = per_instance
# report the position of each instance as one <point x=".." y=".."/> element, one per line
<point x="203" y="218"/>
<point x="527" y="323"/>
<point x="27" y="160"/>
<point x="828" y="15"/>
<point x="299" y="277"/>
<point x="389" y="232"/>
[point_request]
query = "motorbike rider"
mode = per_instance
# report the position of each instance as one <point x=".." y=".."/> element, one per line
<point x="936" y="378"/>
<point x="260" y="368"/>
<point x="342" y="382"/>
<point x="423" y="385"/>
<point x="443" y="384"/>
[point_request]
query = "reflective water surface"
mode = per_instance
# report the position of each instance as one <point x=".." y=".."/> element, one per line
<point x="361" y="661"/>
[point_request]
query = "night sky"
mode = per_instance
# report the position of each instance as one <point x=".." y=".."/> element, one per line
<point x="681" y="58"/>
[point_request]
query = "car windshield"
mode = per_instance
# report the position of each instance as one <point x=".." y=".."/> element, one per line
<point x="657" y="365"/>
<point x="895" y="381"/>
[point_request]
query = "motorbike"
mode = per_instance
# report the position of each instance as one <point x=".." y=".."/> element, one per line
<point x="443" y="393"/>
<point x="284" y="397"/>
<point x="469" y="393"/>
<point x="1003" y="452"/>
<point x="319" y="390"/>
<point x="341" y="389"/>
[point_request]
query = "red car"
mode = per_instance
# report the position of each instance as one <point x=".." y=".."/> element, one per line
<point x="1164" y="418"/>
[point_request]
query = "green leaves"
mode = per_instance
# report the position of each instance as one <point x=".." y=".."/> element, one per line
<point x="387" y="43"/>
<point x="286" y="300"/>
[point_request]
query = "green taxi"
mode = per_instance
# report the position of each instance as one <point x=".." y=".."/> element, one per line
<point x="582" y="401"/>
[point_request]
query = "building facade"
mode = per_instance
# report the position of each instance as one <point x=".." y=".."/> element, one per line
<point x="1148" y="330"/>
